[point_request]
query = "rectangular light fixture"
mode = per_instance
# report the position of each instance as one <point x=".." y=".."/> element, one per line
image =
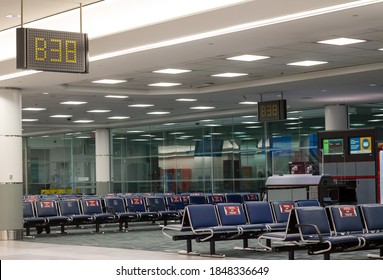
<point x="118" y="118"/>
<point x="61" y="116"/>
<point x="73" y="102"/>
<point x="307" y="63"/>
<point x="117" y="96"/>
<point x="186" y="99"/>
<point x="34" y="109"/>
<point x="172" y="71"/>
<point x="83" y="121"/>
<point x="163" y="84"/>
<point x="140" y="105"/>
<point x="341" y="41"/>
<point x="229" y="75"/>
<point x="98" y="111"/>
<point x="109" y="81"/>
<point x="248" y="57"/>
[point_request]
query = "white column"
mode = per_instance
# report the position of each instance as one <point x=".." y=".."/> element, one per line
<point x="11" y="164"/>
<point x="102" y="161"/>
<point x="336" y="117"/>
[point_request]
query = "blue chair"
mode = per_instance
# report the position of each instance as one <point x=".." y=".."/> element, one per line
<point x="29" y="217"/>
<point x="93" y="207"/>
<point x="116" y="206"/>
<point x="48" y="209"/>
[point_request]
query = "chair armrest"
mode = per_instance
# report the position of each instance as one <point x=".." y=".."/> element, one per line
<point x="315" y="228"/>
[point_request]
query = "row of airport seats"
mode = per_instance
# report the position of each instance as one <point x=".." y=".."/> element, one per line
<point x="46" y="211"/>
<point x="313" y="228"/>
<point x="229" y="221"/>
<point x="330" y="229"/>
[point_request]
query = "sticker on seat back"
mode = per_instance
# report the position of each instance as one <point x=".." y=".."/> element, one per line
<point x="232" y="210"/>
<point x="46" y="204"/>
<point x="285" y="208"/>
<point x="91" y="203"/>
<point x="347" y="211"/>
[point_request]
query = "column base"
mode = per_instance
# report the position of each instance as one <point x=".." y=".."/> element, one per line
<point x="11" y="234"/>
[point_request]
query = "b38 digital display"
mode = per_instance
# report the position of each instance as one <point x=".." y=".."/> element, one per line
<point x="272" y="110"/>
<point x="48" y="50"/>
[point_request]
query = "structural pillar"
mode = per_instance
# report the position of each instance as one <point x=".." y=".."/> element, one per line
<point x="336" y="117"/>
<point x="102" y="161"/>
<point x="11" y="164"/>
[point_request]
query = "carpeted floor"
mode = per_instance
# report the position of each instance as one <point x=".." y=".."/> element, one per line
<point x="148" y="236"/>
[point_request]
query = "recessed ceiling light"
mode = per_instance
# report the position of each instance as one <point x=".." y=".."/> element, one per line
<point x="376" y="120"/>
<point x="229" y="75"/>
<point x="202" y="108"/>
<point x="141" y="105"/>
<point x="380" y="49"/>
<point x="109" y="81"/>
<point x="45" y="93"/>
<point x="83" y="137"/>
<point x="117" y="96"/>
<point x="248" y="102"/>
<point x="169" y="124"/>
<point x="163" y="84"/>
<point x="73" y="102"/>
<point x="172" y="71"/>
<point x="249" y="116"/>
<point x="98" y="111"/>
<point x="186" y="99"/>
<point x="158" y="113"/>
<point x="29" y="120"/>
<point x="34" y="109"/>
<point x="248" y="57"/>
<point x="341" y="41"/>
<point x="250" y="122"/>
<point x="307" y="63"/>
<point x="61" y="116"/>
<point x="118" y="118"/>
<point x="83" y="121"/>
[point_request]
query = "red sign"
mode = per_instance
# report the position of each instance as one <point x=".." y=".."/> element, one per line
<point x="176" y="199"/>
<point x="136" y="200"/>
<point x="232" y="210"/>
<point x="285" y="208"/>
<point x="217" y="198"/>
<point x="91" y="203"/>
<point x="347" y="211"/>
<point x="46" y="204"/>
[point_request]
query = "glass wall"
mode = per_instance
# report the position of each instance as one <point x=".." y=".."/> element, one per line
<point x="58" y="164"/>
<point x="217" y="155"/>
<point x="212" y="155"/>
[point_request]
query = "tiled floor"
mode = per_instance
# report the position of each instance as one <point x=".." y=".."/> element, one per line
<point x="21" y="250"/>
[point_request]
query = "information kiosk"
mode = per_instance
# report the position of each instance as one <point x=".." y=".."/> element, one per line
<point x="351" y="157"/>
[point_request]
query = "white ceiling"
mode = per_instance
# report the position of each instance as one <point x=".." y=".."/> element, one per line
<point x="353" y="74"/>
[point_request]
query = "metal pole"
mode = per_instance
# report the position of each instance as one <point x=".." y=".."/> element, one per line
<point x="22" y="13"/>
<point x="80" y="17"/>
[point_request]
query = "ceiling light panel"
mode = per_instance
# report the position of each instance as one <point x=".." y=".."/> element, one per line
<point x="117" y="96"/>
<point x="140" y="105"/>
<point x="229" y="75"/>
<point x="109" y="81"/>
<point x="307" y="63"/>
<point x="164" y="84"/>
<point x="341" y="41"/>
<point x="98" y="111"/>
<point x="172" y="71"/>
<point x="61" y="116"/>
<point x="186" y="99"/>
<point x="73" y="102"/>
<point x="34" y="109"/>
<point x="248" y="57"/>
